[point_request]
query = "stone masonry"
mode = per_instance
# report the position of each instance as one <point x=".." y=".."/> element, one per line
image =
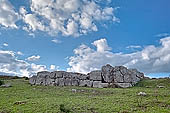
<point x="108" y="76"/>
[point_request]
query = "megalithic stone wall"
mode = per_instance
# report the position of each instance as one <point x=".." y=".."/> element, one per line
<point x="108" y="76"/>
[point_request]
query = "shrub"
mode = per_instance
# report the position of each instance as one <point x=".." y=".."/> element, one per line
<point x="1" y="82"/>
<point x="26" y="78"/>
<point x="64" y="109"/>
<point x="15" y="77"/>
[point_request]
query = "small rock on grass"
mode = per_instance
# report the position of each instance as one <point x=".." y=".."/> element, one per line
<point x="74" y="90"/>
<point x="142" y="94"/>
<point x="6" y="85"/>
<point x="160" y="86"/>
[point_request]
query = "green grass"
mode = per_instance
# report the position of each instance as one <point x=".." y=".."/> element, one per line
<point x="24" y="98"/>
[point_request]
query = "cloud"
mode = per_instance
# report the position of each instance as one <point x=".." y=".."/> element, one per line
<point x="35" y="67"/>
<point x="101" y="45"/>
<point x="19" y="53"/>
<point x="11" y="65"/>
<point x="133" y="47"/>
<point x="52" y="67"/>
<point x="56" y="41"/>
<point x="66" y="17"/>
<point x="5" y="44"/>
<point x="151" y="59"/>
<point x="33" y="58"/>
<point x="33" y="22"/>
<point x="8" y="16"/>
<point x="163" y="35"/>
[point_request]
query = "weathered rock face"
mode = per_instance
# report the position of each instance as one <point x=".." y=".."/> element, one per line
<point x="123" y="85"/>
<point x="107" y="73"/>
<point x="118" y="76"/>
<point x="95" y="75"/>
<point x="32" y="80"/>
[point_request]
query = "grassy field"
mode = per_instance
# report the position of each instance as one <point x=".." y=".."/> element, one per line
<point x="24" y="98"/>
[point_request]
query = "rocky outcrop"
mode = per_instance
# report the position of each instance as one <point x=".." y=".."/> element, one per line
<point x="108" y="76"/>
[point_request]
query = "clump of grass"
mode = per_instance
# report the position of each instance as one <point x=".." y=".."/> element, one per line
<point x="1" y="82"/>
<point x="64" y="109"/>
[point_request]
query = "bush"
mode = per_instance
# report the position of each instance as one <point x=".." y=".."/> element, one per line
<point x="26" y="78"/>
<point x="64" y="109"/>
<point x="15" y="77"/>
<point x="1" y="82"/>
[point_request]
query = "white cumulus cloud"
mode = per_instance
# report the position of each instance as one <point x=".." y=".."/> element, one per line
<point x="5" y="44"/>
<point x="20" y="53"/>
<point x="151" y="59"/>
<point x="54" y="68"/>
<point x="67" y="17"/>
<point x="33" y="58"/>
<point x="133" y="47"/>
<point x="56" y="41"/>
<point x="101" y="45"/>
<point x="11" y="65"/>
<point x="8" y="16"/>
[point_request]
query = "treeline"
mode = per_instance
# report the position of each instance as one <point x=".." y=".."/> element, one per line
<point x="6" y="77"/>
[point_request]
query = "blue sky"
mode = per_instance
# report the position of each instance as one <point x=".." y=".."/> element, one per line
<point x="83" y="35"/>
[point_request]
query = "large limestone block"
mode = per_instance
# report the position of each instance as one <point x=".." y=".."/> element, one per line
<point x="43" y="74"/>
<point x="41" y="77"/>
<point x="107" y="73"/>
<point x="127" y="78"/>
<point x="85" y="83"/>
<point x="83" y="77"/>
<point x="104" y="85"/>
<point x="89" y="83"/>
<point x="138" y="74"/>
<point x="75" y="75"/>
<point x="56" y="83"/>
<point x="32" y="80"/>
<point x="52" y="75"/>
<point x="95" y="75"/>
<point x="61" y="81"/>
<point x="67" y="75"/>
<point x="40" y="81"/>
<point x="122" y="74"/>
<point x="123" y="85"/>
<point x="97" y="84"/>
<point x="135" y="79"/>
<point x="58" y="74"/>
<point x="123" y="70"/>
<point x="50" y="81"/>
<point x="75" y="82"/>
<point x="67" y="82"/>
<point x="118" y="77"/>
<point x="82" y="83"/>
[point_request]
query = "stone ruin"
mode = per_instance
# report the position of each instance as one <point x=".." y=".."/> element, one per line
<point x="108" y="76"/>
